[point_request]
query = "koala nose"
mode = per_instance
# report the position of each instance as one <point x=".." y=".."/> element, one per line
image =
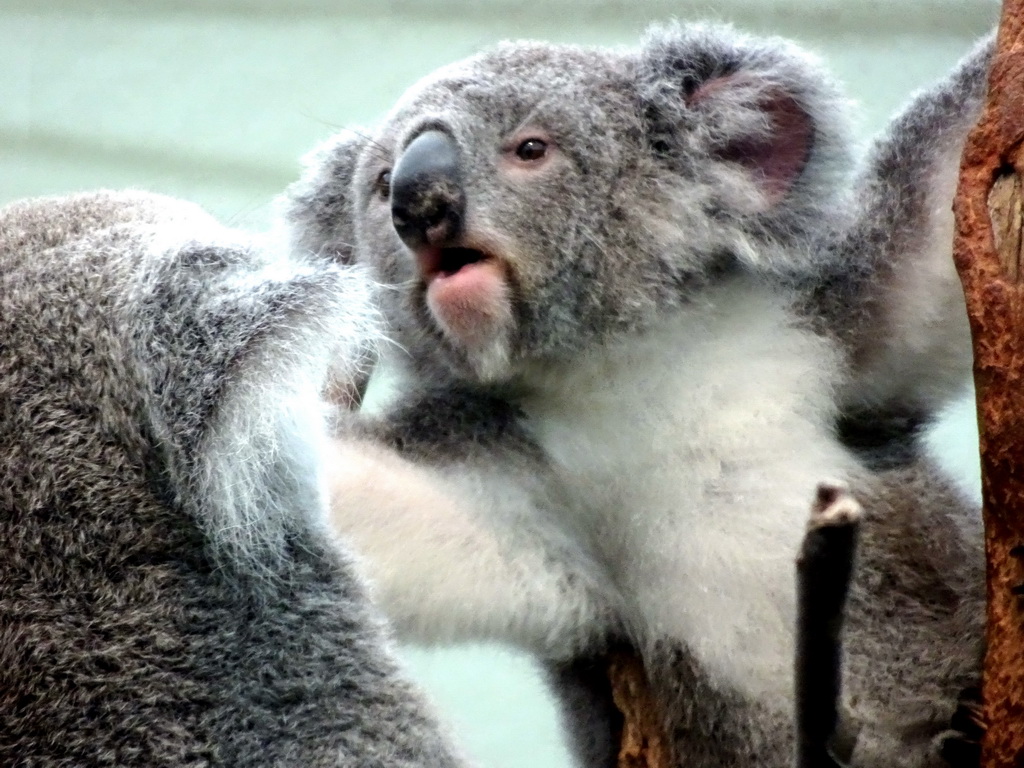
<point x="427" y="198"/>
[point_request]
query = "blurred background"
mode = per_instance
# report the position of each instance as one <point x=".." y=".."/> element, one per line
<point x="216" y="100"/>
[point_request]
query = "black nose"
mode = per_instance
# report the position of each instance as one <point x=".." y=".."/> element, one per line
<point x="427" y="198"/>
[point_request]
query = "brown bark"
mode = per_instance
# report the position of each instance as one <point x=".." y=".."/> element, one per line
<point x="644" y="744"/>
<point x="989" y="213"/>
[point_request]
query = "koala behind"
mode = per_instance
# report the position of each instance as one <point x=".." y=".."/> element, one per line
<point x="170" y="593"/>
<point x="641" y="315"/>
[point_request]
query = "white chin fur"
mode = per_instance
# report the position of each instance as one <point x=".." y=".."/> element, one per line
<point x="491" y="359"/>
<point x="482" y="333"/>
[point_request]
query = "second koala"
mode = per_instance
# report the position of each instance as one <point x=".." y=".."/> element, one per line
<point x="639" y="319"/>
<point x="170" y="591"/>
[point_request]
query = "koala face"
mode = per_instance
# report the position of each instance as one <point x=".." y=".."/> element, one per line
<point x="536" y="199"/>
<point x="525" y="196"/>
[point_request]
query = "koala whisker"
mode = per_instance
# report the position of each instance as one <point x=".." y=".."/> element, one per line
<point x="377" y="149"/>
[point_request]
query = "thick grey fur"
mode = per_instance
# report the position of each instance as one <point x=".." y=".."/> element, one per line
<point x="170" y="593"/>
<point x="647" y="219"/>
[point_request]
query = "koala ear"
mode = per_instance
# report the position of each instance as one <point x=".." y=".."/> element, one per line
<point x="716" y="103"/>
<point x="765" y="130"/>
<point x="317" y="209"/>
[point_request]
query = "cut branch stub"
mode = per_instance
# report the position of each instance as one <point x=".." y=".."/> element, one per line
<point x="823" y="570"/>
<point x="1005" y="208"/>
<point x="987" y="249"/>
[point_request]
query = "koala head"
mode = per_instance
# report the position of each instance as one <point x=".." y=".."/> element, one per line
<point x="536" y="199"/>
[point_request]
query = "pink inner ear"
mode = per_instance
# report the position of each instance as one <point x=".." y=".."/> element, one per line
<point x="777" y="157"/>
<point x="781" y="157"/>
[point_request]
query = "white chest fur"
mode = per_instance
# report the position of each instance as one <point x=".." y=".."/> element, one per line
<point x="695" y="451"/>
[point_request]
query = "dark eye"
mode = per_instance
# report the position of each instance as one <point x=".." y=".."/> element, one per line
<point x="532" y="149"/>
<point x="383" y="185"/>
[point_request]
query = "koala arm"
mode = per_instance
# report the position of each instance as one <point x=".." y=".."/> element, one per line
<point x="901" y="300"/>
<point x="457" y="552"/>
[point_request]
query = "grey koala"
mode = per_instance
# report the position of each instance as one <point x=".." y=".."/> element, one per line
<point x="171" y="593"/>
<point x="640" y="312"/>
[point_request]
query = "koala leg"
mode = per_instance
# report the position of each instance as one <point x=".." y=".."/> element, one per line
<point x="914" y="625"/>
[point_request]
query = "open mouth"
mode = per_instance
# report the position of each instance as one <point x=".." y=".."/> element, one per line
<point x="467" y="292"/>
<point x="445" y="262"/>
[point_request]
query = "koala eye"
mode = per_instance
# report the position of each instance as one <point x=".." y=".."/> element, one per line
<point x="532" y="149"/>
<point x="383" y="184"/>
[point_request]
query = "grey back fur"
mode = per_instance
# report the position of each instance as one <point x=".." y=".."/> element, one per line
<point x="170" y="593"/>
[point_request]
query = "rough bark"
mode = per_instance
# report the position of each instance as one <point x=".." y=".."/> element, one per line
<point x="644" y="744"/>
<point x="989" y="213"/>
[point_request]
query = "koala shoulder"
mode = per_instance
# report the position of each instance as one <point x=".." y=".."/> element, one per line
<point x="40" y="223"/>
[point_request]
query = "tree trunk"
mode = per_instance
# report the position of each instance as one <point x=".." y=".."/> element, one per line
<point x="989" y="213"/>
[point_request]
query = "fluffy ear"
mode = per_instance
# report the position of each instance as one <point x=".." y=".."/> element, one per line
<point x="757" y="121"/>
<point x="764" y="130"/>
<point x="317" y="209"/>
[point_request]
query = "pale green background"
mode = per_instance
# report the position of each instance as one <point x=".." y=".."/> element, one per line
<point x="215" y="101"/>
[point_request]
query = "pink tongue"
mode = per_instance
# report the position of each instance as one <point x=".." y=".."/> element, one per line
<point x="469" y="302"/>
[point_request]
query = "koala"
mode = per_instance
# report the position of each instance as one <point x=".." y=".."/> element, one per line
<point x="171" y="593"/>
<point x="643" y="302"/>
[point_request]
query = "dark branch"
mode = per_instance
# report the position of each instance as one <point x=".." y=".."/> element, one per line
<point x="824" y="568"/>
